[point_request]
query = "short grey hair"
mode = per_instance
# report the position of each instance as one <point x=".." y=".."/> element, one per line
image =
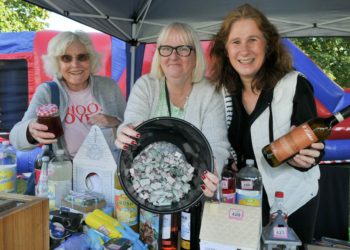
<point x="58" y="46"/>
<point x="191" y="38"/>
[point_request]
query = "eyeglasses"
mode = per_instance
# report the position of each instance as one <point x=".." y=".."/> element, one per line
<point x="182" y="50"/>
<point x="80" y="58"/>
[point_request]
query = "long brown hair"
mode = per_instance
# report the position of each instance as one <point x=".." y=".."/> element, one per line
<point x="277" y="62"/>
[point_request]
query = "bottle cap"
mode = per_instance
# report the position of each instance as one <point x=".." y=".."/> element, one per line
<point x="279" y="194"/>
<point x="46" y="109"/>
<point x="45" y="158"/>
<point x="249" y="162"/>
<point x="59" y="152"/>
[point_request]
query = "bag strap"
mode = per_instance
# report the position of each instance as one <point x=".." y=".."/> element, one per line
<point x="55" y="93"/>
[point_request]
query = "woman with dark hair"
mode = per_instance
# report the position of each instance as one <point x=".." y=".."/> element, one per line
<point x="267" y="98"/>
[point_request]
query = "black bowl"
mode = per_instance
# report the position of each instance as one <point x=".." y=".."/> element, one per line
<point x="186" y="137"/>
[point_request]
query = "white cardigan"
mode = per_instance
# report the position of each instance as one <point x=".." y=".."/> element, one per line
<point x="298" y="187"/>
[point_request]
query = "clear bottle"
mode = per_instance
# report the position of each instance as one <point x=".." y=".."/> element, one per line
<point x="8" y="168"/>
<point x="125" y="210"/>
<point x="314" y="130"/>
<point x="42" y="189"/>
<point x="45" y="151"/>
<point x="278" y="205"/>
<point x="228" y="184"/>
<point x="59" y="178"/>
<point x="249" y="185"/>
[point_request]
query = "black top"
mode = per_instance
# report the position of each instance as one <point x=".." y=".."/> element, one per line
<point x="304" y="108"/>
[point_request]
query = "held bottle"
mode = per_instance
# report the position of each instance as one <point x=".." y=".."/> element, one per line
<point x="314" y="130"/>
<point x="249" y="185"/>
<point x="278" y="205"/>
<point x="42" y="189"/>
<point x="8" y="168"/>
<point x="228" y="184"/>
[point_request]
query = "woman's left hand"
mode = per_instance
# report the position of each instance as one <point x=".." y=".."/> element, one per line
<point x="103" y="120"/>
<point x="210" y="183"/>
<point x="306" y="158"/>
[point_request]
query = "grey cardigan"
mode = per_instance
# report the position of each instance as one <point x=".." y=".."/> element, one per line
<point x="205" y="110"/>
<point x="104" y="90"/>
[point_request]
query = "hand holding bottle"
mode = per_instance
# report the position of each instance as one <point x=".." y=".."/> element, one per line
<point x="210" y="183"/>
<point x="306" y="158"/>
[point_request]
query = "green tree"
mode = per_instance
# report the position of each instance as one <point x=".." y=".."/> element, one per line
<point x="332" y="54"/>
<point x="17" y="15"/>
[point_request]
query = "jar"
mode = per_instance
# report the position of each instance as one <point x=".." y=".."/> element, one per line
<point x="48" y="115"/>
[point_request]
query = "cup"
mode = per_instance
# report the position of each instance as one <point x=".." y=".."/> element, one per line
<point x="48" y="115"/>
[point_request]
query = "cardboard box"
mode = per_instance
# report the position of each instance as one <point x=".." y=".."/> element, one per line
<point x="94" y="166"/>
<point x="230" y="226"/>
<point x="25" y="226"/>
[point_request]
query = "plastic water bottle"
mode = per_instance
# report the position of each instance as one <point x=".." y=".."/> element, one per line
<point x="249" y="185"/>
<point x="59" y="178"/>
<point x="8" y="168"/>
<point x="278" y="205"/>
<point x="41" y="189"/>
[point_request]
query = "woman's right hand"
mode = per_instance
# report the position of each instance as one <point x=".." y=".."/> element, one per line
<point x="126" y="136"/>
<point x="39" y="132"/>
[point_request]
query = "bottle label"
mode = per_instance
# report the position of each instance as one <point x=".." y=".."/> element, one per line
<point x="224" y="184"/>
<point x="247" y="184"/>
<point x="125" y="209"/>
<point x="248" y="198"/>
<point x="229" y="198"/>
<point x="149" y="229"/>
<point x="166" y="229"/>
<point x="290" y="144"/>
<point x="280" y="232"/>
<point x="8" y="178"/>
<point x="185" y="226"/>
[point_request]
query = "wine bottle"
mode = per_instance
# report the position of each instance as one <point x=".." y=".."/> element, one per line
<point x="190" y="227"/>
<point x="314" y="130"/>
<point x="169" y="231"/>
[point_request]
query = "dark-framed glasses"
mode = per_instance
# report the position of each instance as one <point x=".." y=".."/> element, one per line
<point x="79" y="57"/>
<point x="182" y="50"/>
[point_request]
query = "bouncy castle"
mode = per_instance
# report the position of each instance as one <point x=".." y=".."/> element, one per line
<point x="21" y="71"/>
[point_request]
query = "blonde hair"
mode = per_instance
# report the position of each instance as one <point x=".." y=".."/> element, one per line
<point x="58" y="46"/>
<point x="190" y="37"/>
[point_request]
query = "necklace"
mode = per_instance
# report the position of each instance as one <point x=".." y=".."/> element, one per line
<point x="168" y="97"/>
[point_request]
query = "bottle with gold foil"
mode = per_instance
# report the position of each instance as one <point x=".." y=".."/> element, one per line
<point x="125" y="210"/>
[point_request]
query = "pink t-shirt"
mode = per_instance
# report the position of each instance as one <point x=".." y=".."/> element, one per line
<point x="81" y="105"/>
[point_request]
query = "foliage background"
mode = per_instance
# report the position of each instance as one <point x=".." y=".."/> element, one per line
<point x="332" y="54"/>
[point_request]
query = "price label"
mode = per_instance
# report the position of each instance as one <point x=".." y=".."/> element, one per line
<point x="247" y="185"/>
<point x="280" y="232"/>
<point x="236" y="214"/>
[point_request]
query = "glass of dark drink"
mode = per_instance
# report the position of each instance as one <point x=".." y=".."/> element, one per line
<point x="48" y="115"/>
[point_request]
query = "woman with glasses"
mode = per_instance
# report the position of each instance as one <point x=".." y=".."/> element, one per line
<point x="85" y="99"/>
<point x="177" y="87"/>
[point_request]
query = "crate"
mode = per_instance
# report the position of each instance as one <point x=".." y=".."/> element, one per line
<point x="25" y="226"/>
